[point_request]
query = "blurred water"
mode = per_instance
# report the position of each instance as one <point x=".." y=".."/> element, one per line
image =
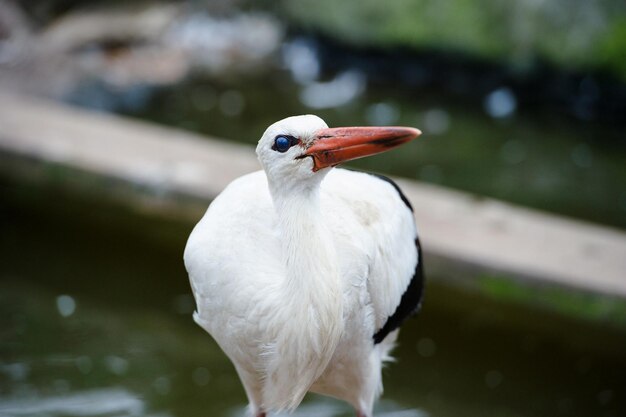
<point x="95" y="320"/>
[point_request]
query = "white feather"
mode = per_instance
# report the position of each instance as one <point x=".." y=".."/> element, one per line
<point x="293" y="273"/>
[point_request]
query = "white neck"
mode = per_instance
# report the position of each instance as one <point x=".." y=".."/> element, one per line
<point x="306" y="242"/>
<point x="311" y="321"/>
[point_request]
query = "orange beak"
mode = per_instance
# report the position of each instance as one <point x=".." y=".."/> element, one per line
<point x="333" y="146"/>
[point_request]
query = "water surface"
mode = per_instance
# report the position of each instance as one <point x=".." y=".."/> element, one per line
<point x="95" y="321"/>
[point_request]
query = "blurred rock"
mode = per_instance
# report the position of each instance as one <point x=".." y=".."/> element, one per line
<point x="15" y="33"/>
<point x="339" y="91"/>
<point x="219" y="45"/>
<point x="122" y="47"/>
<point x="124" y="26"/>
<point x="300" y="58"/>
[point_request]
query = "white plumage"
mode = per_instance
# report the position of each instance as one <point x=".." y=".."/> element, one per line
<point x="297" y="267"/>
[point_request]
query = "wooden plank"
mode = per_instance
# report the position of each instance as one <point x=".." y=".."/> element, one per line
<point x="481" y="234"/>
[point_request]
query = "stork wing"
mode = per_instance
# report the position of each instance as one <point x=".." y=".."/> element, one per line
<point x="380" y="219"/>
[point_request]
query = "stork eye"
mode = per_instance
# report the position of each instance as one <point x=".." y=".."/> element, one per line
<point x="282" y="143"/>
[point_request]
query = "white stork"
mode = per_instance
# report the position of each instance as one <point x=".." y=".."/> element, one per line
<point x="302" y="272"/>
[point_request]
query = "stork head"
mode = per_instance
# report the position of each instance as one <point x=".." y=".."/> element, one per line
<point x="302" y="149"/>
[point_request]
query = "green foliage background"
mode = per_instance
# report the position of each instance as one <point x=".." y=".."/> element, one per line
<point x="574" y="34"/>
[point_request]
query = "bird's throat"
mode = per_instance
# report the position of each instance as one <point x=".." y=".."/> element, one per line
<point x="311" y="320"/>
<point x="308" y="248"/>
